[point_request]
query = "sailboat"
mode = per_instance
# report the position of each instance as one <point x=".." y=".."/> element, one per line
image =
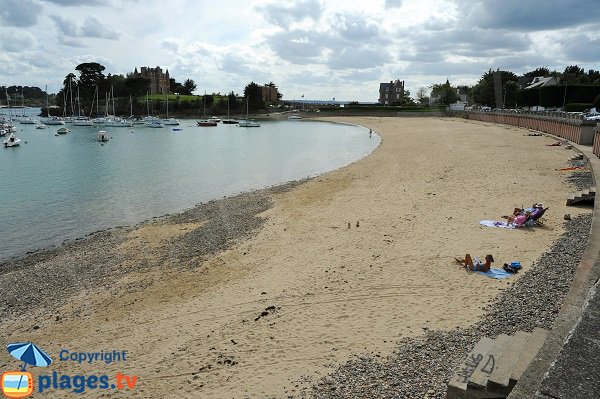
<point x="169" y="121"/>
<point x="206" y="122"/>
<point x="81" y="120"/>
<point x="151" y="121"/>
<point x="248" y="122"/>
<point x="229" y="121"/>
<point x="51" y="120"/>
<point x="25" y="120"/>
<point x="113" y="120"/>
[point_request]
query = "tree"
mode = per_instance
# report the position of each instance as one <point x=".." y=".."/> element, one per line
<point x="188" y="87"/>
<point x="90" y="76"/>
<point x="253" y="94"/>
<point x="540" y="71"/>
<point x="137" y="86"/>
<point x="484" y="91"/>
<point x="443" y="94"/>
<point x="175" y="87"/>
<point x="421" y="96"/>
<point x="232" y="99"/>
<point x="510" y="94"/>
<point x="273" y="85"/>
<point x="572" y="74"/>
<point x="406" y="99"/>
<point x="597" y="103"/>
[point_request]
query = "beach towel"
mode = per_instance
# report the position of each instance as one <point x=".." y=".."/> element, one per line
<point x="496" y="273"/>
<point x="493" y="223"/>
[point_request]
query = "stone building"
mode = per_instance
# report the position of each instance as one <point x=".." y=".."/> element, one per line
<point x="159" y="81"/>
<point x="390" y="93"/>
<point x="269" y="94"/>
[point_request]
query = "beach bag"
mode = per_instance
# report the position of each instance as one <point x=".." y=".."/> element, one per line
<point x="513" y="268"/>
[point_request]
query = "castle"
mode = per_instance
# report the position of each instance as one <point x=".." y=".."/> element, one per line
<point x="159" y="81"/>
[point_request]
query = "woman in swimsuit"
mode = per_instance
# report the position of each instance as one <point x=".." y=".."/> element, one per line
<point x="476" y="266"/>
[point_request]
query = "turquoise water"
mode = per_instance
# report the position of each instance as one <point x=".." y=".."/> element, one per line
<point x="62" y="187"/>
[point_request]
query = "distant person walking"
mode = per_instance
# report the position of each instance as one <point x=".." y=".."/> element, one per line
<point x="370" y="132"/>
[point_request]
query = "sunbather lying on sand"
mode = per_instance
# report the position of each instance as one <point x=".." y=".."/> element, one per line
<point x="476" y="266"/>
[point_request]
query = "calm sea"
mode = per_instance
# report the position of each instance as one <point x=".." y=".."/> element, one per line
<point x="62" y="187"/>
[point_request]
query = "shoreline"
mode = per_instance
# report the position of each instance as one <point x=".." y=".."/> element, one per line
<point x="318" y="281"/>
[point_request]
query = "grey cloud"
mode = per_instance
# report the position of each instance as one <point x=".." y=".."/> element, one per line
<point x="78" y="2"/>
<point x="435" y="46"/>
<point x="355" y="28"/>
<point x="236" y="64"/>
<point x="350" y="58"/>
<point x="393" y="4"/>
<point x="22" y="13"/>
<point x="170" y="45"/>
<point x="298" y="47"/>
<point x="17" y="41"/>
<point x="581" y="48"/>
<point x="284" y="14"/>
<point x="531" y="15"/>
<point x="90" y="28"/>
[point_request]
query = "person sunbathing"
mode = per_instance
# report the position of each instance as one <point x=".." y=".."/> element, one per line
<point x="476" y="266"/>
<point x="518" y="220"/>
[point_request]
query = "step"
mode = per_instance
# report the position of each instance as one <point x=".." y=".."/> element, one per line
<point x="499" y="380"/>
<point x="457" y="387"/>
<point x="477" y="384"/>
<point x="530" y="351"/>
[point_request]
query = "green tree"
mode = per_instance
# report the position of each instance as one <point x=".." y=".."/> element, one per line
<point x="90" y="76"/>
<point x="444" y="93"/>
<point x="175" y="87"/>
<point x="253" y="94"/>
<point x="484" y="91"/>
<point x="597" y="103"/>
<point x="188" y="87"/>
<point x="540" y="71"/>
<point x="572" y="74"/>
<point x="510" y="94"/>
<point x="137" y="86"/>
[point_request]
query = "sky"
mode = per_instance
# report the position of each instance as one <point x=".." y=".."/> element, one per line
<point x="319" y="49"/>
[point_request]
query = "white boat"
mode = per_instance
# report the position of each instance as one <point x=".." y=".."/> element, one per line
<point x="53" y="120"/>
<point x="12" y="141"/>
<point x="3" y="132"/>
<point x="292" y="117"/>
<point x="154" y="124"/>
<point x="170" y="121"/>
<point x="215" y="119"/>
<point x="82" y="121"/>
<point x="248" y="122"/>
<point x="41" y="126"/>
<point x="28" y="121"/>
<point x="63" y="130"/>
<point x="206" y="122"/>
<point x="102" y="135"/>
<point x="117" y="122"/>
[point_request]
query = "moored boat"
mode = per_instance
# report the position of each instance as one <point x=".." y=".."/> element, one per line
<point x="12" y="141"/>
<point x="206" y="122"/>
<point x="102" y="135"/>
<point x="63" y="130"/>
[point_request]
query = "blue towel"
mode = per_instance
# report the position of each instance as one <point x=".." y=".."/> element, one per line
<point x="496" y="273"/>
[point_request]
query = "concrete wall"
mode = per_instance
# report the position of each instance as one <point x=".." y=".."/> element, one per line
<point x="574" y="129"/>
<point x="596" y="149"/>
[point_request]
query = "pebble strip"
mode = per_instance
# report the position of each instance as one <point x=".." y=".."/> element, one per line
<point x="45" y="279"/>
<point x="422" y="367"/>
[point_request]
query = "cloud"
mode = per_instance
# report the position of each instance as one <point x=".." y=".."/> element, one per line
<point x="70" y="3"/>
<point x="353" y="58"/>
<point x="90" y="28"/>
<point x="582" y="47"/>
<point x="285" y="14"/>
<point x="17" y="41"/>
<point x="299" y="46"/>
<point x="392" y="4"/>
<point x="530" y="15"/>
<point x="22" y="13"/>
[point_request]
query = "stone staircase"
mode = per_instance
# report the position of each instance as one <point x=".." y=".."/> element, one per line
<point x="493" y="367"/>
<point x="583" y="195"/>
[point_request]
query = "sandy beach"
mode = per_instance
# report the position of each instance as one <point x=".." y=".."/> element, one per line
<point x="343" y="264"/>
